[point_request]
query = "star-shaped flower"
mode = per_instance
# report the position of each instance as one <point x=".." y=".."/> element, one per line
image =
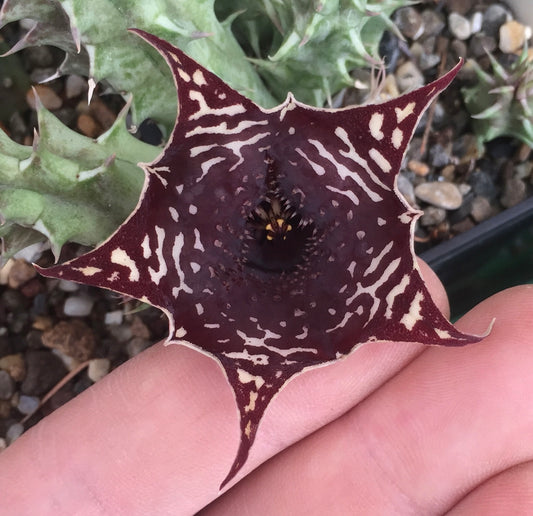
<point x="274" y="240"/>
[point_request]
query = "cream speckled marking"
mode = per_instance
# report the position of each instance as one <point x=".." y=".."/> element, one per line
<point x="403" y="113"/>
<point x="88" y="271"/>
<point x="174" y="213"/>
<point x="197" y="242"/>
<point x="246" y="377"/>
<point x="145" y="246"/>
<point x="184" y="75"/>
<point x="395" y="292"/>
<point x="410" y="318"/>
<point x="193" y="209"/>
<point x="345" y="319"/>
<point x="318" y="169"/>
<point x="344" y="171"/>
<point x="347" y="193"/>
<point x="374" y="264"/>
<point x="204" y="109"/>
<point x="180" y="332"/>
<point x="375" y="124"/>
<point x="176" y="254"/>
<point x="198" y="78"/>
<point x="157" y="275"/>
<point x="199" y="308"/>
<point x="380" y="160"/>
<point x="120" y="257"/>
<point x="397" y="137"/>
<point x="195" y="267"/>
<point x="354" y="156"/>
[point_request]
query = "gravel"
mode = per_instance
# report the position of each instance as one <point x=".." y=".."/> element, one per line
<point x="50" y="327"/>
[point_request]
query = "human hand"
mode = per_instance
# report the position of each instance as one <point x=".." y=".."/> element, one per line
<point x="398" y="429"/>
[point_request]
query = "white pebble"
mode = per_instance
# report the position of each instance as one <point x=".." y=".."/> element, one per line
<point x="14" y="432"/>
<point x="98" y="368"/>
<point x="476" y="22"/>
<point x="459" y="26"/>
<point x="28" y="404"/>
<point x="114" y="318"/>
<point x="78" y="306"/>
<point x="68" y="286"/>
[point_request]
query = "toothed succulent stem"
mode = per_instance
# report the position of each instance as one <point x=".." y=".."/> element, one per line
<point x="502" y="104"/>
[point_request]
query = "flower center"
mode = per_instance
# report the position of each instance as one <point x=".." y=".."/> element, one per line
<point x="278" y="237"/>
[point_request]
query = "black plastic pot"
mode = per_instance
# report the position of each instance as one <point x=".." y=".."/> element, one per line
<point x="492" y="256"/>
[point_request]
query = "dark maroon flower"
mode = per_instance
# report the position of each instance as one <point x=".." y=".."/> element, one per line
<point x="274" y="240"/>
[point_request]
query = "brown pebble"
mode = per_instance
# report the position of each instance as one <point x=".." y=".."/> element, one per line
<point x="42" y="323"/>
<point x="512" y="36"/>
<point x="14" y="365"/>
<point x="448" y="172"/>
<point x="20" y="273"/>
<point x="463" y="226"/>
<point x="88" y="126"/>
<point x="139" y="329"/>
<point x="31" y="288"/>
<point x="481" y="209"/>
<point x="48" y="97"/>
<point x="74" y="338"/>
<point x="5" y="409"/>
<point x="102" y="113"/>
<point x="418" y="167"/>
<point x="523" y="152"/>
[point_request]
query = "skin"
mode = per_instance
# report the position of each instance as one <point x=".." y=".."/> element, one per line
<point x="395" y="428"/>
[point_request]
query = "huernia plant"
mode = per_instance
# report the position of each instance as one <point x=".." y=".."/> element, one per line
<point x="501" y="104"/>
<point x="274" y="240"/>
<point x="311" y="47"/>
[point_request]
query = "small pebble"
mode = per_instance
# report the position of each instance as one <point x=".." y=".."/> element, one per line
<point x="75" y="86"/>
<point x="78" y="306"/>
<point x="7" y="386"/>
<point x="48" y="97"/>
<point x="476" y="22"/>
<point x="481" y="209"/>
<point x="114" y="318"/>
<point x="433" y="21"/>
<point x="409" y="22"/>
<point x="514" y="191"/>
<point x="440" y="194"/>
<point x="136" y="345"/>
<point x="439" y="156"/>
<point x="14" y="365"/>
<point x="88" y="126"/>
<point x="493" y="18"/>
<point x="5" y="270"/>
<point x="513" y="35"/>
<point x="459" y="26"/>
<point x="73" y="338"/>
<point x="418" y="167"/>
<point x="68" y="286"/>
<point x="14" y="432"/>
<point x="44" y="370"/>
<point x="433" y="216"/>
<point x="5" y="408"/>
<point x="20" y="272"/>
<point x="409" y="77"/>
<point x="28" y="404"/>
<point x="139" y="329"/>
<point x="98" y="368"/>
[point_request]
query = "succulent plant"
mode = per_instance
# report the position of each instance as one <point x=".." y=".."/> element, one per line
<point x="310" y="47"/>
<point x="501" y="104"/>
<point x="314" y="45"/>
<point x="274" y="240"/>
<point x="66" y="185"/>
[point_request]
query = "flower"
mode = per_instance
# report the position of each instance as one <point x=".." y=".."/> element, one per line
<point x="274" y="240"/>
